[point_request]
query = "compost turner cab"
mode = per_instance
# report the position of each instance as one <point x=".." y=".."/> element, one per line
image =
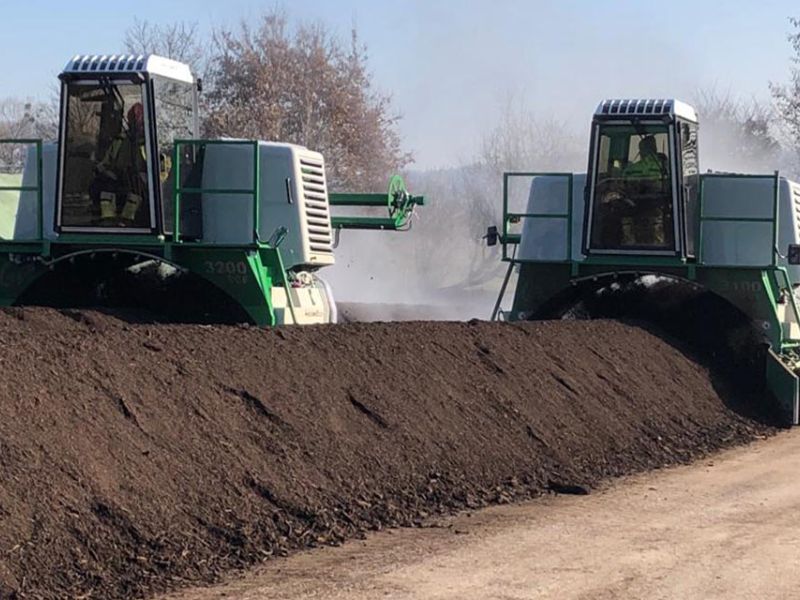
<point x="129" y="185"/>
<point x="644" y="209"/>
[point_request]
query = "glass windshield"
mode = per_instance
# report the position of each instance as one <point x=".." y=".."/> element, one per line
<point x="105" y="177"/>
<point x="633" y="208"/>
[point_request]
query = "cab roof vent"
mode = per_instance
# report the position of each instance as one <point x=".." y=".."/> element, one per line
<point x="116" y="64"/>
<point x="646" y="107"/>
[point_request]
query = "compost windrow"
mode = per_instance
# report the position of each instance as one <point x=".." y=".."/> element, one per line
<point x="135" y="458"/>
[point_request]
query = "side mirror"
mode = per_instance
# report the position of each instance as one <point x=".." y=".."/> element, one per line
<point x="794" y="254"/>
<point x="492" y="236"/>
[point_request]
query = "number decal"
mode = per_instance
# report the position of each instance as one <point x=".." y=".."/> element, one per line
<point x="747" y="286"/>
<point x="233" y="271"/>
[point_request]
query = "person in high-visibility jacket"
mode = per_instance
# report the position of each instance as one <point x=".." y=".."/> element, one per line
<point x="121" y="183"/>
<point x="649" y="165"/>
<point x="644" y="224"/>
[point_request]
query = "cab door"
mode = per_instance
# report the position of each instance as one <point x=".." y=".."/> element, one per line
<point x="633" y="206"/>
<point x="105" y="178"/>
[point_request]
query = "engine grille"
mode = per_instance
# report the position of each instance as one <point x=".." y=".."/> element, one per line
<point x="315" y="202"/>
<point x="795" y="188"/>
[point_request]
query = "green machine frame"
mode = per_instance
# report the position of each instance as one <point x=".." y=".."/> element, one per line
<point x="245" y="272"/>
<point x="760" y="291"/>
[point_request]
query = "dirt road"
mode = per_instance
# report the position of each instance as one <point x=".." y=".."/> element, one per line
<point x="726" y="527"/>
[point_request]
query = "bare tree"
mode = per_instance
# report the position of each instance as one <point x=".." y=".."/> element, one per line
<point x="787" y="97"/>
<point x="24" y="119"/>
<point x="469" y="198"/>
<point x="521" y="140"/>
<point x="28" y="119"/>
<point x="736" y="135"/>
<point x="303" y="85"/>
<point x="178" y="41"/>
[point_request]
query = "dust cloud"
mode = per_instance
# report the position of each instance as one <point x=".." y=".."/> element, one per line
<point x="442" y="268"/>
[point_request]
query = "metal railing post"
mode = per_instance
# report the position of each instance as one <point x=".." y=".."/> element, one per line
<point x="256" y="192"/>
<point x="39" y="192"/>
<point x="505" y="215"/>
<point x="569" y="217"/>
<point x="177" y="191"/>
<point x="776" y="217"/>
<point x="700" y="220"/>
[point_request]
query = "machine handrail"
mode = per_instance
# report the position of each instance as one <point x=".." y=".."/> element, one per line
<point x="38" y="188"/>
<point x="179" y="190"/>
<point x="539" y="215"/>
<point x="512" y="239"/>
<point x="702" y="218"/>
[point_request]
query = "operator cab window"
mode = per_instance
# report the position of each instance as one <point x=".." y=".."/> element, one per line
<point x="105" y="180"/>
<point x="691" y="181"/>
<point x="175" y="120"/>
<point x="633" y="201"/>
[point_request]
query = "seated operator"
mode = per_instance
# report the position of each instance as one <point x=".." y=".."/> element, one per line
<point x="120" y="184"/>
<point x="643" y="225"/>
<point x="650" y="164"/>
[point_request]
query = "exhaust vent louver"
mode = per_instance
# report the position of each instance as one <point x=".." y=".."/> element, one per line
<point x="115" y="63"/>
<point x="315" y="202"/>
<point x="645" y="108"/>
<point x="796" y="205"/>
<point x="636" y="107"/>
<point x="83" y="66"/>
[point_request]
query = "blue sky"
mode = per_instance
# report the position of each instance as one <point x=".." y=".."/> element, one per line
<point x="450" y="65"/>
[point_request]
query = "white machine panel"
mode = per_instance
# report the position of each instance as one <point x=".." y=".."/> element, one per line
<point x="293" y="195"/>
<point x="749" y="243"/>
<point x="546" y="238"/>
<point x="26" y="220"/>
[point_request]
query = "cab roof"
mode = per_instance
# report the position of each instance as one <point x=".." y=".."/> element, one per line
<point x="646" y="107"/>
<point x="114" y="64"/>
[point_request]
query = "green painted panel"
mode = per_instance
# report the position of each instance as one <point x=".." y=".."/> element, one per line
<point x="246" y="276"/>
<point x="784" y="386"/>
